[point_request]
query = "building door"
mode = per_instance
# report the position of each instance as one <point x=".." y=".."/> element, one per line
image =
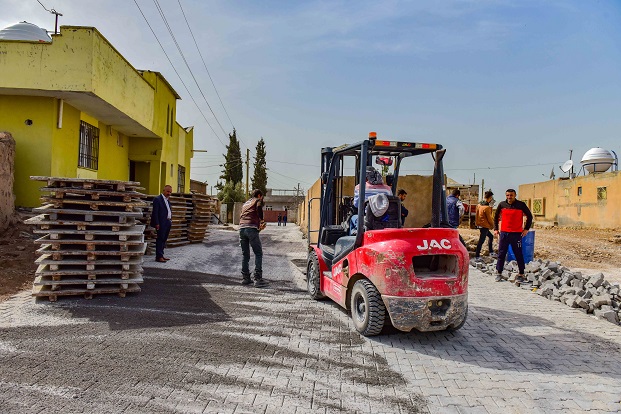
<point x="132" y="171"/>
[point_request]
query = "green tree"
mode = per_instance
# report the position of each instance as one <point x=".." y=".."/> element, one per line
<point x="233" y="171"/>
<point x="231" y="193"/>
<point x="259" y="177"/>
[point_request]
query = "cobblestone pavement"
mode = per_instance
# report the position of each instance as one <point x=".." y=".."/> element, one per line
<point x="195" y="340"/>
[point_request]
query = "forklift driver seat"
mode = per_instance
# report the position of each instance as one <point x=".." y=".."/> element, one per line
<point x="390" y="219"/>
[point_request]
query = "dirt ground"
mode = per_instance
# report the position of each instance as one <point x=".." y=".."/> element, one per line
<point x="586" y="250"/>
<point x="17" y="256"/>
<point x="580" y="249"/>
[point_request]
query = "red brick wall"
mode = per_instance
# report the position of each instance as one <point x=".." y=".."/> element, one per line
<point x="271" y="216"/>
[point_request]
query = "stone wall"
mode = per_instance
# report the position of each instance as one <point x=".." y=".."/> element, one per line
<point x="7" y="169"/>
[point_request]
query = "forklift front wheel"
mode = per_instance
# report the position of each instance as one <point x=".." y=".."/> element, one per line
<point x="312" y="277"/>
<point x="367" y="308"/>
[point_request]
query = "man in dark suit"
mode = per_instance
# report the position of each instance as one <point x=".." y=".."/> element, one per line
<point x="161" y="220"/>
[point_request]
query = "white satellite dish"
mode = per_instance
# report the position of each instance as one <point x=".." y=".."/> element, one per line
<point x="567" y="166"/>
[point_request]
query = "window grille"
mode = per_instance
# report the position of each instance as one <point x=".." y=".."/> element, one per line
<point x="538" y="206"/>
<point x="181" y="179"/>
<point x="602" y="194"/>
<point x="89" y="146"/>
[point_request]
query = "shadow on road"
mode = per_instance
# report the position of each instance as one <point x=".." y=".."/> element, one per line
<point x="168" y="298"/>
<point x="504" y="340"/>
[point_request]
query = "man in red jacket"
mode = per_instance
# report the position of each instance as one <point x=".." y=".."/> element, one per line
<point x="511" y="214"/>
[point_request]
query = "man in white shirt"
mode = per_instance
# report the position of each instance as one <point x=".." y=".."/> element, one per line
<point x="161" y="220"/>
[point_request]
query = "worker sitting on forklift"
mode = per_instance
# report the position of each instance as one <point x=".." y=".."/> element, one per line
<point x="374" y="184"/>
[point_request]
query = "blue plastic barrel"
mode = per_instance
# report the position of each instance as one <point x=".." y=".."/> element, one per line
<point x="528" y="248"/>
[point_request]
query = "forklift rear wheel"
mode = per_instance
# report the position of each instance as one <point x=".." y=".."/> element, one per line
<point x="312" y="277"/>
<point x="367" y="308"/>
<point x="457" y="327"/>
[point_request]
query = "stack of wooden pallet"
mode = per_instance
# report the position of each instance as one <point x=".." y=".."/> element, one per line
<point x="191" y="214"/>
<point x="149" y="233"/>
<point x="91" y="240"/>
<point x="181" y="209"/>
<point x="204" y="206"/>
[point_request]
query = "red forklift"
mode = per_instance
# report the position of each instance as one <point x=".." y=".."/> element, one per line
<point x="415" y="277"/>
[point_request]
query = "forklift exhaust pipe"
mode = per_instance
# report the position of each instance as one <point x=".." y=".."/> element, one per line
<point x="438" y="204"/>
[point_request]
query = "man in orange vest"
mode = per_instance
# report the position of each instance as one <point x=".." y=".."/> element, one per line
<point x="485" y="221"/>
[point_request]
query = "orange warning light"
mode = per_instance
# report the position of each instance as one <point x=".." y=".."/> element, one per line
<point x="372" y="135"/>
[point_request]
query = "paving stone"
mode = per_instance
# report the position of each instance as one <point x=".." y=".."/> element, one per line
<point x="196" y="338"/>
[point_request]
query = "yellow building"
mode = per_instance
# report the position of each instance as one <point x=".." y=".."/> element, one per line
<point x="591" y="201"/>
<point x="77" y="108"/>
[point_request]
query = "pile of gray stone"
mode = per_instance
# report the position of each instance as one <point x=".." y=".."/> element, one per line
<point x="590" y="294"/>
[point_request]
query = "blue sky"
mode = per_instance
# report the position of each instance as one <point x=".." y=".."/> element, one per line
<point x="508" y="87"/>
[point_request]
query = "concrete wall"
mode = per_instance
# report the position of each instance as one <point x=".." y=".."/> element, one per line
<point x="7" y="199"/>
<point x="575" y="202"/>
<point x="418" y="202"/>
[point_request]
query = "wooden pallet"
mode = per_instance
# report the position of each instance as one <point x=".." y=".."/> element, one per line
<point x="102" y="223"/>
<point x="47" y="259"/>
<point x="57" y="272"/>
<point x="93" y="194"/>
<point x="90" y="234"/>
<point x="87" y="216"/>
<point x="89" y="238"/>
<point x="102" y="279"/>
<point x="133" y="251"/>
<point x="95" y="205"/>
<point x="89" y="245"/>
<point x="52" y="295"/>
<point x="89" y="183"/>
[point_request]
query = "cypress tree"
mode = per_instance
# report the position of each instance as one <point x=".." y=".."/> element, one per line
<point x="259" y="178"/>
<point x="233" y="171"/>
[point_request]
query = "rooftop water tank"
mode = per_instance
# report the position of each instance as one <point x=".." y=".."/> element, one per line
<point x="26" y="32"/>
<point x="598" y="160"/>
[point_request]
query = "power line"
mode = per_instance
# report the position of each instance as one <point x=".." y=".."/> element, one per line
<point x="162" y="14"/>
<point x="294" y="163"/>
<point x="204" y="64"/>
<point x="490" y="168"/>
<point x="181" y="79"/>
<point x="286" y="176"/>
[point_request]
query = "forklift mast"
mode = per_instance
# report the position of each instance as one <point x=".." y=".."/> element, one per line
<point x="332" y="164"/>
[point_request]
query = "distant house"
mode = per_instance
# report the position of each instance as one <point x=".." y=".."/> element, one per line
<point x="587" y="201"/>
<point x="279" y="201"/>
<point x="77" y="108"/>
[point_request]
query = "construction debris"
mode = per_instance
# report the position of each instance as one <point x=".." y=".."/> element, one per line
<point x="91" y="242"/>
<point x="590" y="294"/>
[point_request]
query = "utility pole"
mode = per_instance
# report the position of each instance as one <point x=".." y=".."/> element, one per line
<point x="247" y="171"/>
<point x="55" y="13"/>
